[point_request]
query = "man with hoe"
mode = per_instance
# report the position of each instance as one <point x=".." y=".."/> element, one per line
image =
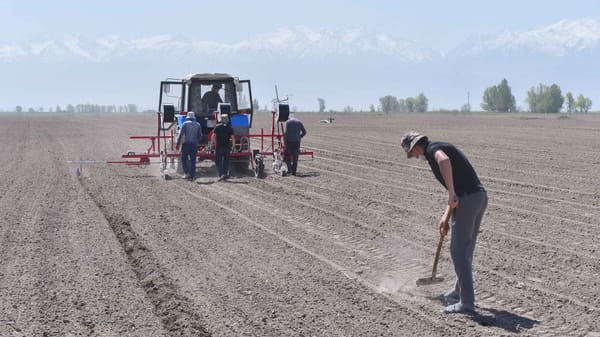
<point x="467" y="198"/>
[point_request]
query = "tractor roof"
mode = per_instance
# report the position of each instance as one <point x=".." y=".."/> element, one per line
<point x="209" y="77"/>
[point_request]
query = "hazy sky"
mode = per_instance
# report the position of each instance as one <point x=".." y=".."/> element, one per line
<point x="436" y="25"/>
<point x="441" y="24"/>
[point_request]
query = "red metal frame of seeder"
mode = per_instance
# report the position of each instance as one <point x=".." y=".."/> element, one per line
<point x="205" y="151"/>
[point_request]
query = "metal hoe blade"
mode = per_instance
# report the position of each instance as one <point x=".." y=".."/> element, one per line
<point x="429" y="280"/>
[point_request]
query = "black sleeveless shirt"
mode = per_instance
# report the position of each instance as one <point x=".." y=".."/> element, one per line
<point x="465" y="179"/>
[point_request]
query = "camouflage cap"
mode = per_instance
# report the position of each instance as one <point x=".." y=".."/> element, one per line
<point x="409" y="140"/>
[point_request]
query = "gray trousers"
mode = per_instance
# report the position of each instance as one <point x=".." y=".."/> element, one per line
<point x="465" y="228"/>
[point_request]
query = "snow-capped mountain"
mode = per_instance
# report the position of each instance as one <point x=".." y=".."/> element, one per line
<point x="288" y="42"/>
<point x="559" y="39"/>
<point x="345" y="67"/>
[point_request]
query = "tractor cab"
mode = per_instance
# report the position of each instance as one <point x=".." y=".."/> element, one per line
<point x="207" y="95"/>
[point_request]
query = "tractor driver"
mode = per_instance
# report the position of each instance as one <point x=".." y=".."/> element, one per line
<point x="211" y="99"/>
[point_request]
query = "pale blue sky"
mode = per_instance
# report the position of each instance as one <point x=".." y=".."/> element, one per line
<point x="440" y="24"/>
<point x="64" y="43"/>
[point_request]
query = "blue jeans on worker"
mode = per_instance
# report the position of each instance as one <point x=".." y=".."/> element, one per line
<point x="465" y="228"/>
<point x="222" y="161"/>
<point x="189" y="151"/>
<point x="292" y="152"/>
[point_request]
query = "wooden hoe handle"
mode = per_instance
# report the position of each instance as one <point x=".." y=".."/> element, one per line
<point x="439" y="246"/>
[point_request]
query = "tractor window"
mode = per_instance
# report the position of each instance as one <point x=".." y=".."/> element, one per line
<point x="204" y="98"/>
<point x="243" y="96"/>
<point x="230" y="96"/>
<point x="170" y="96"/>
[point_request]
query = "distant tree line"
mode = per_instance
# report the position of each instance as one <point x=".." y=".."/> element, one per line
<point x="540" y="99"/>
<point x="78" y="108"/>
<point x="391" y="103"/>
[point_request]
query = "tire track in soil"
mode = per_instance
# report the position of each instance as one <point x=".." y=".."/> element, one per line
<point x="398" y="298"/>
<point x="488" y="299"/>
<point x="176" y="312"/>
<point x="417" y="190"/>
<point x="413" y="267"/>
<point x="42" y="225"/>
<point x="414" y="240"/>
<point x="238" y="316"/>
<point x="385" y="172"/>
<point x="586" y="225"/>
<point x="488" y="246"/>
<point x="332" y="153"/>
<point x="475" y="156"/>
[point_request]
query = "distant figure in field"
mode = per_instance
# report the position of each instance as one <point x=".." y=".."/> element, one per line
<point x="294" y="131"/>
<point x="211" y="99"/>
<point x="191" y="133"/>
<point x="469" y="200"/>
<point x="224" y="141"/>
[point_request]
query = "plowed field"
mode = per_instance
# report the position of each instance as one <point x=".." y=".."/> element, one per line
<point x="335" y="251"/>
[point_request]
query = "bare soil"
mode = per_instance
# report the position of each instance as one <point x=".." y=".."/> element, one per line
<point x="335" y="251"/>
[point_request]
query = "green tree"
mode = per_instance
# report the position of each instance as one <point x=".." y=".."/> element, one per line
<point x="489" y="99"/>
<point x="555" y="99"/>
<point x="388" y="103"/>
<point x="421" y="103"/>
<point x="583" y="103"/>
<point x="505" y="101"/>
<point x="545" y="99"/>
<point x="255" y="104"/>
<point x="372" y="108"/>
<point x="410" y="104"/>
<point x="570" y="102"/>
<point x="321" y="105"/>
<point x="499" y="98"/>
<point x="588" y="105"/>
<point x="19" y="108"/>
<point x="402" y="105"/>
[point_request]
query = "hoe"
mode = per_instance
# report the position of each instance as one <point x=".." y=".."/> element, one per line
<point x="433" y="278"/>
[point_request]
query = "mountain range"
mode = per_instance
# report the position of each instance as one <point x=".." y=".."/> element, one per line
<point x="347" y="68"/>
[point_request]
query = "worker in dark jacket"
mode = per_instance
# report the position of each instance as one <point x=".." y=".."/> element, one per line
<point x="224" y="142"/>
<point x="469" y="200"/>
<point x="191" y="133"/>
<point x="211" y="99"/>
<point x="294" y="131"/>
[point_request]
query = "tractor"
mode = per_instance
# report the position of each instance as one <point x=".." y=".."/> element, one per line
<point x="210" y="96"/>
